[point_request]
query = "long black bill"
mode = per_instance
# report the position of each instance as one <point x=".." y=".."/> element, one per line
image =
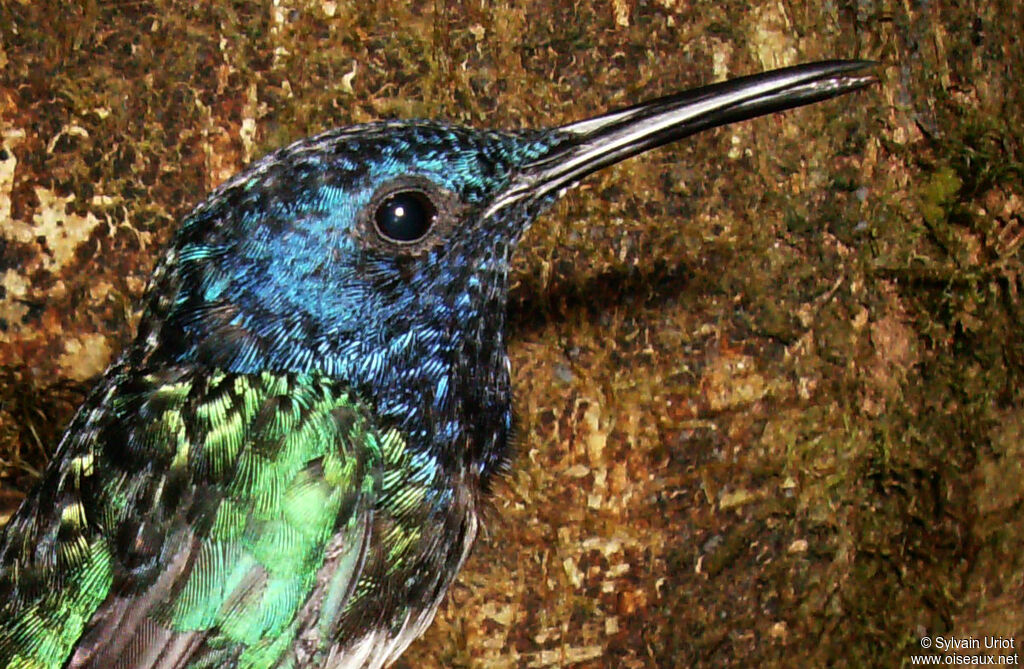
<point x="607" y="139"/>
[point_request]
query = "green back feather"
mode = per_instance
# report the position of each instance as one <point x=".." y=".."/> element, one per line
<point x="247" y="478"/>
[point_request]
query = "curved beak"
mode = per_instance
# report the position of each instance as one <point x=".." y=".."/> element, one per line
<point x="595" y="143"/>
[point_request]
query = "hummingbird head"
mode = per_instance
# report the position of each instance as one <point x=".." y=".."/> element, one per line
<point x="378" y="254"/>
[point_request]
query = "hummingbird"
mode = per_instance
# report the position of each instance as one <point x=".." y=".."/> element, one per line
<point x="287" y="465"/>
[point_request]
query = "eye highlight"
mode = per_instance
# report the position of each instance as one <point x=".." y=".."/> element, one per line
<point x="405" y="216"/>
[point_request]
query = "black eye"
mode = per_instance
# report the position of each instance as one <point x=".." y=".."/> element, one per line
<point x="405" y="216"/>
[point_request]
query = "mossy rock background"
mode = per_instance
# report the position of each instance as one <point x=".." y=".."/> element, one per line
<point x="769" y="378"/>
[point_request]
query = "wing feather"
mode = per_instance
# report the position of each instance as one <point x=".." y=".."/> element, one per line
<point x="232" y="514"/>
